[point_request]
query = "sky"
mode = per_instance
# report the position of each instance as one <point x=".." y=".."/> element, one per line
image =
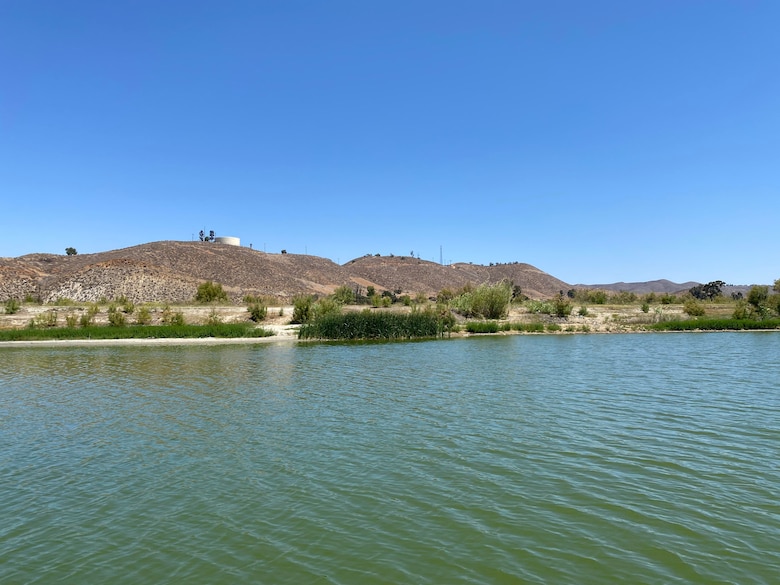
<point x="600" y="141"/>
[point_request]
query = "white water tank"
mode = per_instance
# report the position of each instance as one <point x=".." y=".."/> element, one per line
<point x="229" y="240"/>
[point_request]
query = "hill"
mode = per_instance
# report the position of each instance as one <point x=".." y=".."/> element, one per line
<point x="170" y="271"/>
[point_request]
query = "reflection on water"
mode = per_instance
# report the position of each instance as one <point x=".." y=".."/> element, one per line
<point x="540" y="459"/>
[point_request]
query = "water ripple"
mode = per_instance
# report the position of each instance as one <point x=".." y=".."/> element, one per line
<point x="562" y="459"/>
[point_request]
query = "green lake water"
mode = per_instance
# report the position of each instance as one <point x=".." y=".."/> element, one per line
<point x="647" y="458"/>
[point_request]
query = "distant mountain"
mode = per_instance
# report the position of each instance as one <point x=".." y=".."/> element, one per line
<point x="652" y="286"/>
<point x="662" y="286"/>
<point x="170" y="271"/>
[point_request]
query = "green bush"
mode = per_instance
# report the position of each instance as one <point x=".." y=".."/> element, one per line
<point x="539" y="307"/>
<point x="489" y="301"/>
<point x="12" y="306"/>
<point x="115" y="317"/>
<point x="170" y="317"/>
<point x="553" y="327"/>
<point x="44" y="320"/>
<point x="562" y="306"/>
<point x="583" y="311"/>
<point x="323" y="307"/>
<point x="693" y="308"/>
<point x="623" y="298"/>
<point x="257" y="311"/>
<point x="210" y="292"/>
<point x="143" y="316"/>
<point x="344" y="295"/>
<point x="302" y="305"/>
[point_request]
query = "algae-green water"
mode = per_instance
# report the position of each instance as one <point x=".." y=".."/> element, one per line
<point x="646" y="458"/>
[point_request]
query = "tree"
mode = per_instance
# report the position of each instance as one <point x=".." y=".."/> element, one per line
<point x="758" y="296"/>
<point x="776" y="287"/>
<point x="709" y="291"/>
<point x="71" y="251"/>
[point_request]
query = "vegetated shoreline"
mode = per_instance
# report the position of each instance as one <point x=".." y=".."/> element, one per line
<point x="288" y="338"/>
<point x="220" y="324"/>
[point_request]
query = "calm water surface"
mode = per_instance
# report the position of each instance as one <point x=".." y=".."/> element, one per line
<point x="528" y="459"/>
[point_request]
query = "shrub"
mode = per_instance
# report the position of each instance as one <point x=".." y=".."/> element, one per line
<point x="169" y="317"/>
<point x="742" y="310"/>
<point x="562" y="306"/>
<point x="143" y="316"/>
<point x="302" y="308"/>
<point x="344" y="295"/>
<point x="45" y="319"/>
<point x="667" y="299"/>
<point x="486" y="301"/>
<point x="623" y="298"/>
<point x="645" y="307"/>
<point x="115" y="317"/>
<point x="553" y="327"/>
<point x="323" y="307"/>
<point x="693" y="308"/>
<point x="758" y="296"/>
<point x="12" y="306"/>
<point x="583" y="311"/>
<point x="539" y="307"/>
<point x="71" y="321"/>
<point x="210" y="292"/>
<point x="257" y="311"/>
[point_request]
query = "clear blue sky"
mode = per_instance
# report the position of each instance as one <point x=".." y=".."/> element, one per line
<point x="597" y="140"/>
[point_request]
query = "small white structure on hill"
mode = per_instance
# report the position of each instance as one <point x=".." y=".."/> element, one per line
<point x="229" y="240"/>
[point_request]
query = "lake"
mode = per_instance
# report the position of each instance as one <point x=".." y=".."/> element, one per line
<point x="644" y="458"/>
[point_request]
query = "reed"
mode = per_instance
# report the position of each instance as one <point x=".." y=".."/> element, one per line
<point x="224" y="330"/>
<point x="377" y="325"/>
<point x="716" y="325"/>
<point x="482" y="327"/>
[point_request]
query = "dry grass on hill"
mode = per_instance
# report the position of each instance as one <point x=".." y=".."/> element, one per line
<point x="171" y="271"/>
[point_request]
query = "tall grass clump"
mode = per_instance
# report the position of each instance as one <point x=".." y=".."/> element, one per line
<point x="716" y="325"/>
<point x="482" y="327"/>
<point x="536" y="327"/>
<point x="369" y="324"/>
<point x="489" y="301"/>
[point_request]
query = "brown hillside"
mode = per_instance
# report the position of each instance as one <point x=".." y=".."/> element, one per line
<point x="532" y="282"/>
<point x="170" y="271"/>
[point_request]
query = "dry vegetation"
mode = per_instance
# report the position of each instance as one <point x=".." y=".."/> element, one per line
<point x="171" y="272"/>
